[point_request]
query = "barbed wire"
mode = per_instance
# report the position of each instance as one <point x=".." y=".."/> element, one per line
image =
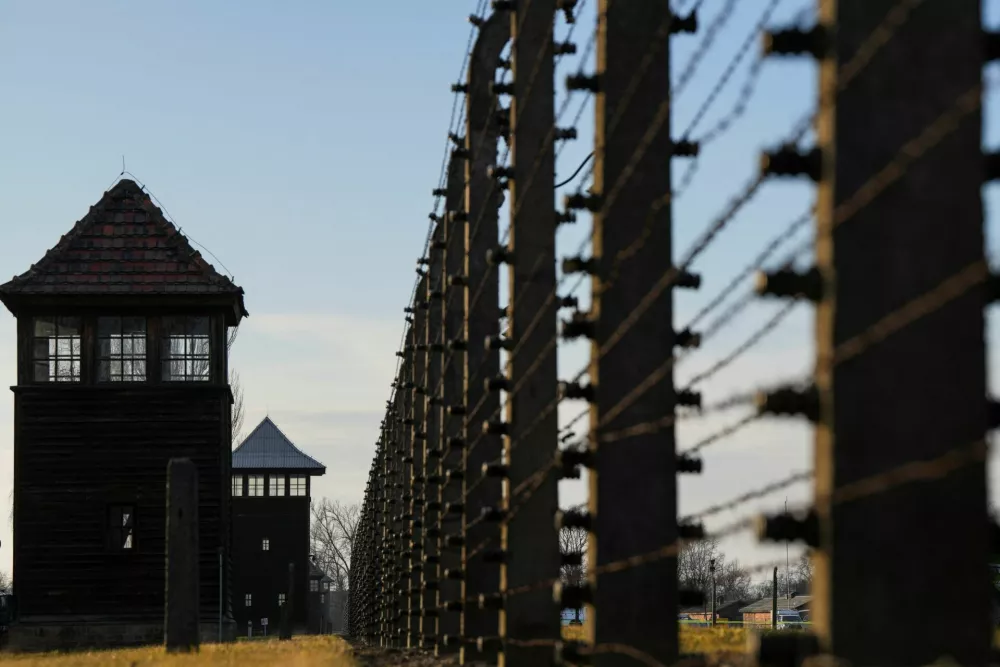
<point x="947" y="291"/>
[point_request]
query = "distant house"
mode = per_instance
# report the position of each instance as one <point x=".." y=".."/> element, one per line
<point x="725" y="612"/>
<point x="759" y="612"/>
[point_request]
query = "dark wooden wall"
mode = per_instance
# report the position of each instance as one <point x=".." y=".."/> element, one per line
<point x="79" y="449"/>
<point x="264" y="574"/>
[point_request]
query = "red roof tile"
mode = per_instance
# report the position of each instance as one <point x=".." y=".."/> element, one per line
<point x="124" y="245"/>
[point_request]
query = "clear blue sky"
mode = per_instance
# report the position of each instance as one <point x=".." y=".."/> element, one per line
<point x="299" y="142"/>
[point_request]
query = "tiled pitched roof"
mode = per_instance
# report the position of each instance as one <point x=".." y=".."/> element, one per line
<point x="764" y="604"/>
<point x="267" y="448"/>
<point x="124" y="245"/>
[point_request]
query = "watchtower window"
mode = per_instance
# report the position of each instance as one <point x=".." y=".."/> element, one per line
<point x="297" y="485"/>
<point x="121" y="349"/>
<point x="277" y="485"/>
<point x="121" y="523"/>
<point x="237" y="485"/>
<point x="55" y="351"/>
<point x="255" y="485"/>
<point x="186" y="356"/>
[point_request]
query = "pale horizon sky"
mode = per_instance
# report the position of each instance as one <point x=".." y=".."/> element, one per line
<point x="300" y="142"/>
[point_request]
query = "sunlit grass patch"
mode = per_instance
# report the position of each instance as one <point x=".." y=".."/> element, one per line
<point x="308" y="651"/>
<point x="693" y="640"/>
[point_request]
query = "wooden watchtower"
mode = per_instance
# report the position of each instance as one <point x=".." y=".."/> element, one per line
<point x="271" y="505"/>
<point x="121" y="365"/>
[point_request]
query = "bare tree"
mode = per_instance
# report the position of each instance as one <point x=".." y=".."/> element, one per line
<point x="797" y="581"/>
<point x="574" y="541"/>
<point x="5" y="581"/>
<point x="334" y="527"/>
<point x="237" y="389"/>
<point x="694" y="572"/>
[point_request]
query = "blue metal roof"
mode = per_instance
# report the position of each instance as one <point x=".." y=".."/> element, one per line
<point x="267" y="448"/>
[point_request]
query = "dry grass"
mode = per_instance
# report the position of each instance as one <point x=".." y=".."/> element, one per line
<point x="693" y="640"/>
<point x="299" y="652"/>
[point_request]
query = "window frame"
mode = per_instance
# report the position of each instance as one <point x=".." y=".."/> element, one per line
<point x="83" y="352"/>
<point x="251" y="486"/>
<point x="118" y="535"/>
<point x="265" y="544"/>
<point x="55" y="320"/>
<point x="281" y="487"/>
<point x="282" y="598"/>
<point x="121" y="358"/>
<point x="248" y="600"/>
<point x="293" y="486"/>
<point x="189" y="334"/>
<point x="314" y="585"/>
<point x="236" y="488"/>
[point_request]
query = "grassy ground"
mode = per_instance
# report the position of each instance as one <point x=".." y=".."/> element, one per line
<point x="312" y="651"/>
<point x="693" y="640"/>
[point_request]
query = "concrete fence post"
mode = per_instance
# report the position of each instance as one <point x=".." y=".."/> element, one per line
<point x="180" y="626"/>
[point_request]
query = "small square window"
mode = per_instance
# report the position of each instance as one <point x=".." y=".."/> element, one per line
<point x="55" y="352"/>
<point x="276" y="485"/>
<point x="297" y="485"/>
<point x="313" y="585"/>
<point x="121" y="527"/>
<point x="186" y="349"/>
<point x="237" y="485"/>
<point x="265" y="544"/>
<point x="255" y="485"/>
<point x="326" y="585"/>
<point x="281" y="599"/>
<point x="248" y="599"/>
<point x="121" y="349"/>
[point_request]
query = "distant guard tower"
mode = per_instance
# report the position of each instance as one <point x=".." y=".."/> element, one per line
<point x="121" y="365"/>
<point x="271" y="494"/>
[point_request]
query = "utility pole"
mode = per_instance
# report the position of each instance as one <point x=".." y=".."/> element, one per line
<point x="774" y="600"/>
<point x="711" y="568"/>
<point x="788" y="578"/>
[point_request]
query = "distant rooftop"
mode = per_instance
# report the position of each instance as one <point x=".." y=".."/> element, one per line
<point x="267" y="448"/>
<point x="764" y="604"/>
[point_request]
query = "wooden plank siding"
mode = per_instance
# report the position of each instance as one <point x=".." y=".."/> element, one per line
<point x="81" y="448"/>
<point x="284" y="522"/>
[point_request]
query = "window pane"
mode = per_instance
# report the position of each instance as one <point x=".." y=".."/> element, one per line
<point x="237" y="485"/>
<point x="277" y="485"/>
<point x="121" y="355"/>
<point x="186" y="346"/>
<point x="132" y="326"/>
<point x="68" y="326"/>
<point x="45" y="326"/>
<point x="41" y="373"/>
<point x="107" y="326"/>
